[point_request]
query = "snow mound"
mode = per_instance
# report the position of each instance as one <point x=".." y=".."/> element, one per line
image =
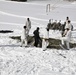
<point x="16" y="60"/>
<point x="74" y="2"/>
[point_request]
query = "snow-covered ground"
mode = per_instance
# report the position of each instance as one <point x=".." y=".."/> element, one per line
<point x="16" y="60"/>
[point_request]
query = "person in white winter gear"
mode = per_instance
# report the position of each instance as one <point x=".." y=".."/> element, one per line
<point x="45" y="39"/>
<point x="67" y="19"/>
<point x="68" y="25"/>
<point x="66" y="38"/>
<point x="24" y="37"/>
<point x="28" y="25"/>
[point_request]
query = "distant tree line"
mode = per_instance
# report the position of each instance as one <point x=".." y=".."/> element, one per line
<point x="69" y="0"/>
<point x="20" y="0"/>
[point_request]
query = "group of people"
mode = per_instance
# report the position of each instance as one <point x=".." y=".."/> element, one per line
<point x="66" y="34"/>
<point x="57" y="25"/>
<point x="65" y="29"/>
<point x="37" y="38"/>
<point x="25" y="32"/>
<point x="54" y="25"/>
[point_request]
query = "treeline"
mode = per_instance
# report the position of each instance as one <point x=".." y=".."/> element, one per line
<point x="20" y="0"/>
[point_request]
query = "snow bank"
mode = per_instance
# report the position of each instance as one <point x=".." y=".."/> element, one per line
<point x="16" y="60"/>
<point x="74" y="2"/>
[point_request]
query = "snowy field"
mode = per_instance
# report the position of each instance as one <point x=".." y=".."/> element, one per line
<point x="16" y="60"/>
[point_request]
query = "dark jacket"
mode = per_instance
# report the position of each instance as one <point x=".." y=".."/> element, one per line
<point x="36" y="34"/>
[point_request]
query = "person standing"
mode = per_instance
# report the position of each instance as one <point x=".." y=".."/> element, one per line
<point x="54" y="25"/>
<point x="67" y="19"/>
<point x="59" y="25"/>
<point x="45" y="39"/>
<point x="28" y="25"/>
<point x="37" y="37"/>
<point x="24" y="37"/>
<point x="68" y="25"/>
<point x="62" y="28"/>
<point x="66" y="38"/>
<point x="49" y="24"/>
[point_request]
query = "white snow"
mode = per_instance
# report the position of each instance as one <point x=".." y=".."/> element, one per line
<point x="16" y="60"/>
